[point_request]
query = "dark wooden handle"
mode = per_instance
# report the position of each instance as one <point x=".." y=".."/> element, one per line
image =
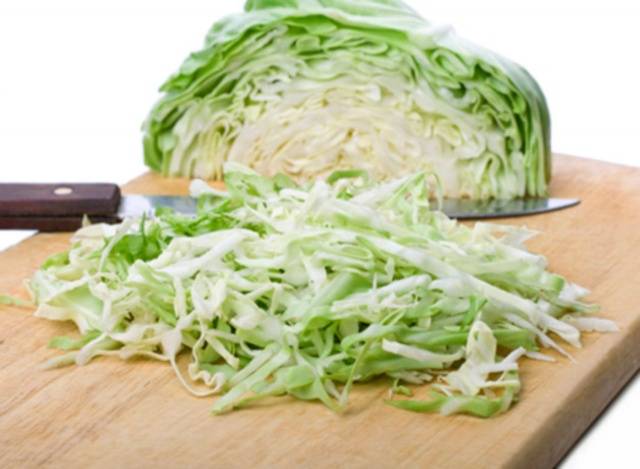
<point x="32" y="200"/>
<point x="56" y="207"/>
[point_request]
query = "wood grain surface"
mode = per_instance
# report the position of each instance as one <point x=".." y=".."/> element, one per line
<point x="112" y="413"/>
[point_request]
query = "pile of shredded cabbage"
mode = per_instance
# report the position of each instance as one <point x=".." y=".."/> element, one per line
<point x="276" y="289"/>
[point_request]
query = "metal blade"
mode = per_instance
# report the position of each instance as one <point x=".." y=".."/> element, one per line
<point x="137" y="205"/>
<point x="463" y="209"/>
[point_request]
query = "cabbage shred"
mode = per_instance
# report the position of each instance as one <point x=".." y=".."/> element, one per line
<point x="305" y="87"/>
<point x="276" y="288"/>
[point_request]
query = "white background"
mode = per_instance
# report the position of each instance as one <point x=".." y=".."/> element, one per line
<point x="77" y="79"/>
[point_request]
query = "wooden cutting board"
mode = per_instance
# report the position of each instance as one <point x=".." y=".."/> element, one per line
<point x="112" y="413"/>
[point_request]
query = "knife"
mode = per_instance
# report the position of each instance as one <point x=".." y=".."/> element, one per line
<point x="61" y="207"/>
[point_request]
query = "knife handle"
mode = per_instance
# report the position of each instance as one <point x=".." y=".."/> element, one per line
<point x="56" y="207"/>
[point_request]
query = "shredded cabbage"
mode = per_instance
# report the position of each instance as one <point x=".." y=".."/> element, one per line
<point x="305" y="87"/>
<point x="277" y="288"/>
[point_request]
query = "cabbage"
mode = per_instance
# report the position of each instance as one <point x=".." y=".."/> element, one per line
<point x="306" y="87"/>
<point x="279" y="289"/>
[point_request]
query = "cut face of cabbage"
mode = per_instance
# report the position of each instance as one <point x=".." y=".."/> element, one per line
<point x="309" y="87"/>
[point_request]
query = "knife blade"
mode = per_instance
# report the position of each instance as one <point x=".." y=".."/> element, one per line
<point x="138" y="205"/>
<point x="462" y="209"/>
<point x="465" y="209"/>
<point x="61" y="207"/>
